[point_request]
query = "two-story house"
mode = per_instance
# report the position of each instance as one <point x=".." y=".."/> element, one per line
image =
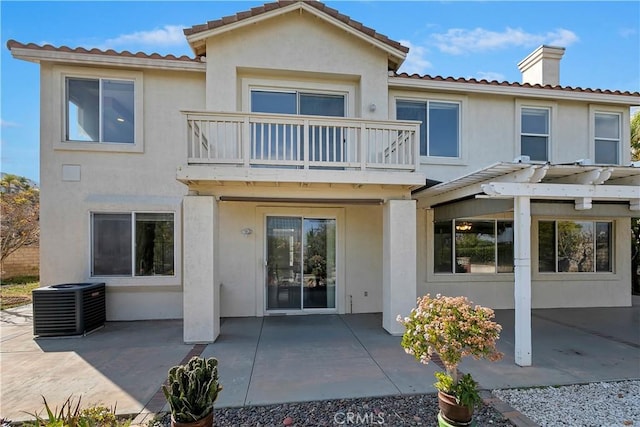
<point x="288" y="169"/>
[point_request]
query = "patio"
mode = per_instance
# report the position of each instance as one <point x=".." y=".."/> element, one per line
<point x="297" y="358"/>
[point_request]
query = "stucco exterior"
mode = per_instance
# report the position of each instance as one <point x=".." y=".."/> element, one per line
<point x="383" y="211"/>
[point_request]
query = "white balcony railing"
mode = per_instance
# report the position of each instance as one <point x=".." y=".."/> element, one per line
<point x="301" y="142"/>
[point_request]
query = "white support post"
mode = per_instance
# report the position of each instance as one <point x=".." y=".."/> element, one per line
<point x="201" y="305"/>
<point x="522" y="285"/>
<point x="399" y="277"/>
<point x="246" y="142"/>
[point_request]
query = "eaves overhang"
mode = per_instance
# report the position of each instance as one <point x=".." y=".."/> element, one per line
<point x="580" y="183"/>
<point x="95" y="57"/>
<point x="485" y="87"/>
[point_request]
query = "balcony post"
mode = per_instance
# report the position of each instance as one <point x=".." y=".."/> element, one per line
<point x="201" y="296"/>
<point x="416" y="148"/>
<point x="307" y="145"/>
<point x="399" y="262"/>
<point x="363" y="146"/>
<point x="245" y="141"/>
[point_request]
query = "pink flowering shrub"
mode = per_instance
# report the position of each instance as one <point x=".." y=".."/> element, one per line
<point x="452" y="328"/>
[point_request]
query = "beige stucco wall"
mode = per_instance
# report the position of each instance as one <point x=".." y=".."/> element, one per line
<point x="241" y="263"/>
<point x="241" y="256"/>
<point x="548" y="290"/>
<point x="298" y="51"/>
<point x="490" y="130"/>
<point x="114" y="182"/>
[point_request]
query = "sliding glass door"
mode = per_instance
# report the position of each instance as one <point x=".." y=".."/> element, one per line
<point x="301" y="263"/>
<point x="282" y="142"/>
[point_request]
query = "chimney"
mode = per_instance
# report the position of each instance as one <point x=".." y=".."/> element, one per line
<point x="542" y="66"/>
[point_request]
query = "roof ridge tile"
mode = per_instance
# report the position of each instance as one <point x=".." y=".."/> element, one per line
<point x="267" y="7"/>
<point x="513" y="84"/>
<point x="11" y="44"/>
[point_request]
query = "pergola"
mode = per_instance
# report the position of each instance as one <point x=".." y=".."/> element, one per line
<point x="522" y="182"/>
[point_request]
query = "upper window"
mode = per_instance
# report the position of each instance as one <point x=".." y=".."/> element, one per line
<point x="440" y="128"/>
<point x="315" y="104"/>
<point x="607" y="138"/>
<point x="534" y="133"/>
<point x="100" y="110"/>
<point x="575" y="246"/>
<point x="283" y="141"/>
<point x="132" y="244"/>
<point x="473" y="246"/>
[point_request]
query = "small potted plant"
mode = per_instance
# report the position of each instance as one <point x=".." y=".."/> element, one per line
<point x="191" y="391"/>
<point x="452" y="328"/>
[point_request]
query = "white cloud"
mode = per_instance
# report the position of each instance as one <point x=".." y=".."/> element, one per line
<point x="627" y="32"/>
<point x="457" y="41"/>
<point x="169" y="35"/>
<point x="561" y="37"/>
<point x="416" y="61"/>
<point x="6" y="124"/>
<point x="490" y="76"/>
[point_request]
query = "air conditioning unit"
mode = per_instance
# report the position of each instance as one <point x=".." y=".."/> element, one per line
<point x="68" y="309"/>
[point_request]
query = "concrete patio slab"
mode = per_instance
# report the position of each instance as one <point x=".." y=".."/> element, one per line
<point x="296" y="358"/>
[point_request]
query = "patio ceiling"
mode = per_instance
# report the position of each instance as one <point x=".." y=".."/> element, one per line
<point x="578" y="182"/>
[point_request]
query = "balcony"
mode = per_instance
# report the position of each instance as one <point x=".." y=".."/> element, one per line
<point x="303" y="148"/>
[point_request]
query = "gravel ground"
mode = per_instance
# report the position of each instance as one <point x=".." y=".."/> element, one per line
<point x="396" y="411"/>
<point x="589" y="405"/>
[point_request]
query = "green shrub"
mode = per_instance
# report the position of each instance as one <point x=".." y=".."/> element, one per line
<point x="70" y="415"/>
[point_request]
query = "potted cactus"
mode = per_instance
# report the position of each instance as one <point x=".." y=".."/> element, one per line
<point x="191" y="390"/>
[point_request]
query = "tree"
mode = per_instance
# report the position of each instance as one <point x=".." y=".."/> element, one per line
<point x="635" y="136"/>
<point x="19" y="214"/>
<point x="635" y="222"/>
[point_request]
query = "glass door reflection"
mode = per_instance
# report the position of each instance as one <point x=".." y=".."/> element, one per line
<point x="319" y="287"/>
<point x="301" y="263"/>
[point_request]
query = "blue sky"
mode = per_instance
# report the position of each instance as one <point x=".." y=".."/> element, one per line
<point x="452" y="38"/>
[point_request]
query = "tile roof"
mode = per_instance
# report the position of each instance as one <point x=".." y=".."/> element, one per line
<point x="11" y="44"/>
<point x="256" y="11"/>
<point x="513" y="84"/>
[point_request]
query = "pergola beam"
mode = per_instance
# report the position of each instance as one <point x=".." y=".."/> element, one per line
<point x="594" y="176"/>
<point x="532" y="174"/>
<point x="567" y="191"/>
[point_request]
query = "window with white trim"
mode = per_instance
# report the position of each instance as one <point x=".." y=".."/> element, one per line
<point x="575" y="246"/>
<point x="132" y="244"/>
<point x="607" y="138"/>
<point x="535" y="133"/>
<point x="473" y="246"/>
<point x="294" y="102"/>
<point x="100" y="110"/>
<point x="440" y="128"/>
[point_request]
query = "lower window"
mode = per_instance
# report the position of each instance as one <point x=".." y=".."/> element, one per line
<point x="473" y="246"/>
<point x="132" y="244"/>
<point x="575" y="246"/>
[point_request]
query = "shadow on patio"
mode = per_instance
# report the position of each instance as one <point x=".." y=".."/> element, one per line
<point x="298" y="358"/>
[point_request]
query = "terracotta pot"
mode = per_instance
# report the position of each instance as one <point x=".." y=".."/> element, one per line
<point x="455" y="414"/>
<point x="203" y="422"/>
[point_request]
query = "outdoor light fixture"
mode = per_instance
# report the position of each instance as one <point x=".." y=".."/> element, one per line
<point x="246" y="231"/>
<point x="463" y="226"/>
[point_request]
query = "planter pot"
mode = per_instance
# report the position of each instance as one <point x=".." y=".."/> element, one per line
<point x="443" y="423"/>
<point x="454" y="414"/>
<point x="204" y="422"/>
